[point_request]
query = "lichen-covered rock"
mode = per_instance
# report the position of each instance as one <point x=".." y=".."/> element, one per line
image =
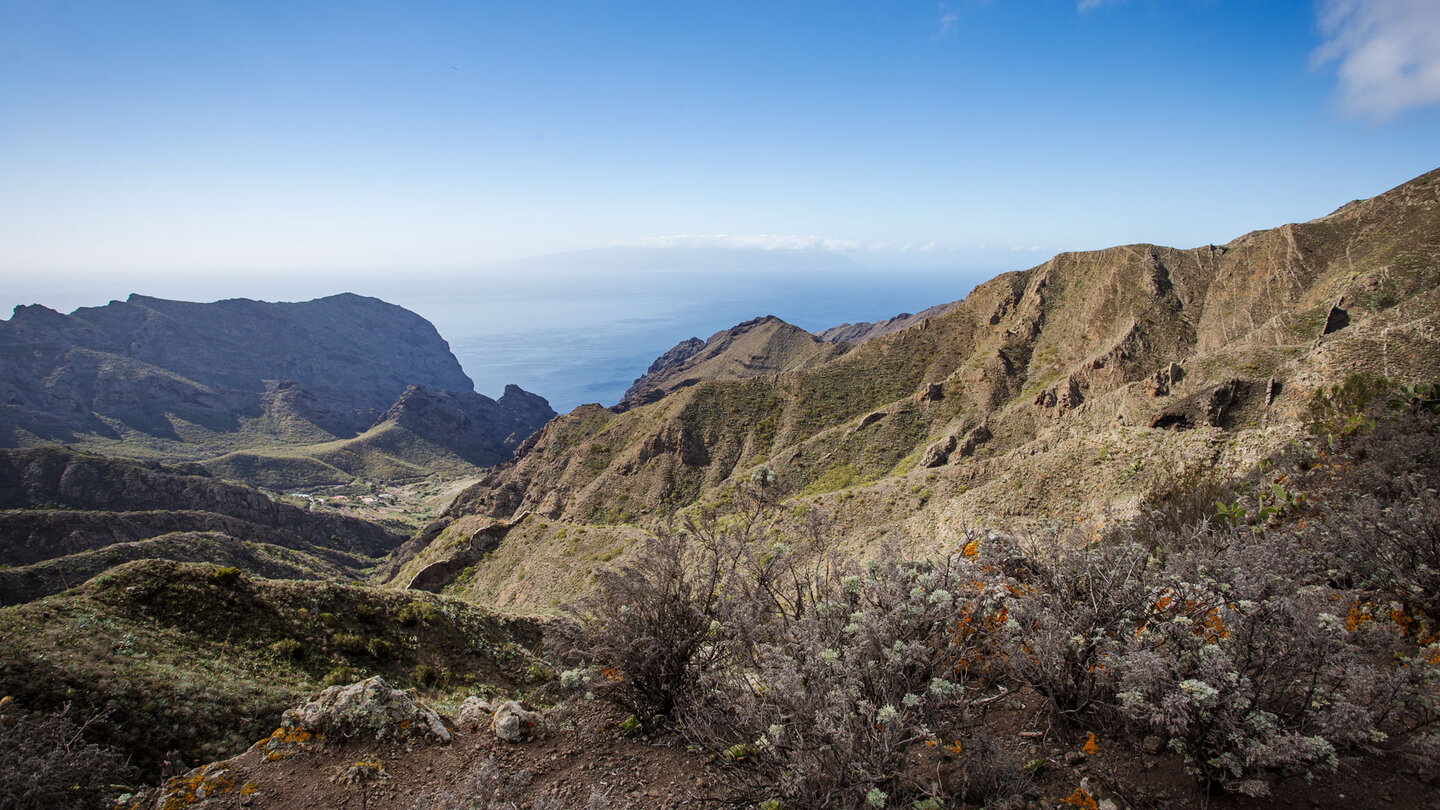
<point x="369" y="707"/>
<point x="475" y="712"/>
<point x="284" y="742"/>
<point x="205" y="782"/>
<point x="513" y="723"/>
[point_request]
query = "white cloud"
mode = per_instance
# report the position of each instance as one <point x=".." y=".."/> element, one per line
<point x="774" y="242"/>
<point x="754" y="242"/>
<point x="1090" y="5"/>
<point x="949" y="21"/>
<point x="1388" y="53"/>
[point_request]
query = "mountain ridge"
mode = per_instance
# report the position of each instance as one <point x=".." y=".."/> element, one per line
<point x="753" y="348"/>
<point x="1126" y="346"/>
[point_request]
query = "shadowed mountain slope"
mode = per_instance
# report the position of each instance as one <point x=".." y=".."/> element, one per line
<point x="66" y="516"/>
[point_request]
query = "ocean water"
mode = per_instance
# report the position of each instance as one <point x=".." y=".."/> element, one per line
<point x="587" y="343"/>
<point x="574" y="328"/>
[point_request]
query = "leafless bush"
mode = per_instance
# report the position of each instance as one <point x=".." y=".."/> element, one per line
<point x="1382" y="524"/>
<point x="647" y="628"/>
<point x="1076" y="608"/>
<point x="884" y="662"/>
<point x="46" y="763"/>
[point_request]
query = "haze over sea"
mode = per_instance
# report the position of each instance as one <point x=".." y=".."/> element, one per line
<point x="588" y="345"/>
<point x="579" y="328"/>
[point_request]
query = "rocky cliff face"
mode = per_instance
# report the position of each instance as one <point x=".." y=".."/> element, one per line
<point x="481" y="430"/>
<point x="1098" y="377"/>
<point x="200" y="381"/>
<point x="138" y="360"/>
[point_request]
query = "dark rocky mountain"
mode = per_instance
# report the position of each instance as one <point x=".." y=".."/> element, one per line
<point x="141" y="358"/>
<point x="481" y="430"/>
<point x="190" y="381"/>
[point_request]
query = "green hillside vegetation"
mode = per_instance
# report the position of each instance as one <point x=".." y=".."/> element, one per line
<point x="198" y="661"/>
<point x="538" y="566"/>
<point x="385" y="453"/>
<point x="24" y="583"/>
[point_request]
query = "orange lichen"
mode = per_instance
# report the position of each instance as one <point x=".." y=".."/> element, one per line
<point x="1081" y="798"/>
<point x="1359" y="615"/>
<point x="1090" y="748"/>
<point x="213" y="780"/>
<point x="1211" y="627"/>
<point x="286" y="741"/>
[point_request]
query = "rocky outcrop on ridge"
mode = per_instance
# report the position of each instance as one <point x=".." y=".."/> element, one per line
<point x="857" y="333"/>
<point x="370" y="707"/>
<point x="751" y="349"/>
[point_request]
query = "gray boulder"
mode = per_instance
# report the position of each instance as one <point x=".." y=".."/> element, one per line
<point x="513" y="723"/>
<point x="368" y="707"/>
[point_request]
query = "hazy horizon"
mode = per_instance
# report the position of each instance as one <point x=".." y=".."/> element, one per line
<point x="535" y="164"/>
<point x="578" y="338"/>
<point x="334" y="139"/>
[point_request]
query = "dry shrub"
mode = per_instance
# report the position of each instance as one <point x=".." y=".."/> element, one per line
<point x="822" y="683"/>
<point x="1078" y="603"/>
<point x="646" y="629"/>
<point x="1253" y="667"/>
<point x="834" y="702"/>
<point x="45" y="762"/>
<point x="1381" y="524"/>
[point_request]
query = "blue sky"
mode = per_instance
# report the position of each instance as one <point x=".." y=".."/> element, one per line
<point x="142" y="142"/>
